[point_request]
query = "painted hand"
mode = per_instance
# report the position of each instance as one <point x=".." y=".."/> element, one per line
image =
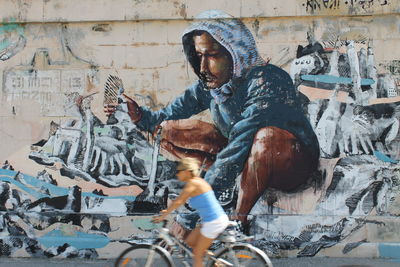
<point x="134" y="111"/>
<point x="109" y="109"/>
<point x="357" y="135"/>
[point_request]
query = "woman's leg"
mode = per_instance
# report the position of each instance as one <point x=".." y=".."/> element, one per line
<point x="199" y="250"/>
<point x="192" y="238"/>
<point x="277" y="160"/>
<point x="200" y="244"/>
<point x="192" y="138"/>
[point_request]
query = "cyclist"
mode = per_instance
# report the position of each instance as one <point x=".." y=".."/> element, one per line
<point x="201" y="197"/>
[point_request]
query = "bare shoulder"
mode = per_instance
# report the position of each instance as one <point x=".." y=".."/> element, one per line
<point x="201" y="185"/>
<point x="190" y="186"/>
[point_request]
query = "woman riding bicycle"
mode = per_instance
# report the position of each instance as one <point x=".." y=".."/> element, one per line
<point x="201" y="197"/>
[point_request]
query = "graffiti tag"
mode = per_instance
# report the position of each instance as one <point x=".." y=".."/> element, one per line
<point x="318" y="5"/>
<point x="45" y="86"/>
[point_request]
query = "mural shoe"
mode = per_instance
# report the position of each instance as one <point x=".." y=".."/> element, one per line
<point x="240" y="228"/>
<point x="227" y="197"/>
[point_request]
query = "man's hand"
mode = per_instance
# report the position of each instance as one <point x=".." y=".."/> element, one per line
<point x="161" y="217"/>
<point x="134" y="111"/>
<point x="109" y="109"/>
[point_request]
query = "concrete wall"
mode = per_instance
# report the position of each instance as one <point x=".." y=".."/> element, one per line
<point x="53" y="51"/>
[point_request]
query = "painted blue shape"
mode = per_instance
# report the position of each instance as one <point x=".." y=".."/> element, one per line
<point x="334" y="79"/>
<point x="389" y="250"/>
<point x="129" y="198"/>
<point x="36" y="183"/>
<point x="77" y="239"/>
<point x="8" y="176"/>
<point x="383" y="157"/>
<point x="5" y="28"/>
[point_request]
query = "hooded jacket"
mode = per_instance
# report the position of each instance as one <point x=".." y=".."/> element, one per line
<point x="258" y="95"/>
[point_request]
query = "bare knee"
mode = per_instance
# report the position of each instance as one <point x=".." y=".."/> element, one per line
<point x="191" y="243"/>
<point x="277" y="159"/>
<point x="193" y="237"/>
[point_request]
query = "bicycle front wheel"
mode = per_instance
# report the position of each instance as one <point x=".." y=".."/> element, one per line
<point x="242" y="255"/>
<point x="144" y="255"/>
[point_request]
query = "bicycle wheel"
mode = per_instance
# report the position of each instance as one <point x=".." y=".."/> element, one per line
<point x="243" y="255"/>
<point x="144" y="255"/>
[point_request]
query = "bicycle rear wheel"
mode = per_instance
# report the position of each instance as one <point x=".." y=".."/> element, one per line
<point x="241" y="255"/>
<point x="144" y="255"/>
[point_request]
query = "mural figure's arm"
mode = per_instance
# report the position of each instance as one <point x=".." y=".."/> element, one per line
<point x="193" y="101"/>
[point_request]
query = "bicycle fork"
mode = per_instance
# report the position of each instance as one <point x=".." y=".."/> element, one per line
<point x="150" y="258"/>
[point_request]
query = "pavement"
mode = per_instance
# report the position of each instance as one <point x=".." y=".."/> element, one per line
<point x="287" y="262"/>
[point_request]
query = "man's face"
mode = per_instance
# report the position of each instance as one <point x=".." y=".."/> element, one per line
<point x="215" y="61"/>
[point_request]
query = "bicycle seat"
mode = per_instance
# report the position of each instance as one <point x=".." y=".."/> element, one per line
<point x="228" y="235"/>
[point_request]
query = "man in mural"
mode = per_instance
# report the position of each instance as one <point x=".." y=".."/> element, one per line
<point x="259" y="130"/>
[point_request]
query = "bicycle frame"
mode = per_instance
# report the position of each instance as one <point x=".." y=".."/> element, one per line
<point x="233" y="251"/>
<point x="171" y="240"/>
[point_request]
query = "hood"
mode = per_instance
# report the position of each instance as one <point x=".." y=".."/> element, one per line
<point x="230" y="33"/>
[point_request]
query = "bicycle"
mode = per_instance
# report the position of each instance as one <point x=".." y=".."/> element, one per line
<point x="234" y="251"/>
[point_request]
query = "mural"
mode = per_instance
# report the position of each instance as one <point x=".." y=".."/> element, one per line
<point x="354" y="113"/>
<point x="320" y="143"/>
<point x="12" y="39"/>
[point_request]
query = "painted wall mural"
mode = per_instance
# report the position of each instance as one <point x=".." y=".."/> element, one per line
<point x="354" y="113"/>
<point x="303" y="159"/>
<point x="12" y="39"/>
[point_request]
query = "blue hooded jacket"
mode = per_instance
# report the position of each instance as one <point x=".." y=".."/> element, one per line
<point x="258" y="95"/>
